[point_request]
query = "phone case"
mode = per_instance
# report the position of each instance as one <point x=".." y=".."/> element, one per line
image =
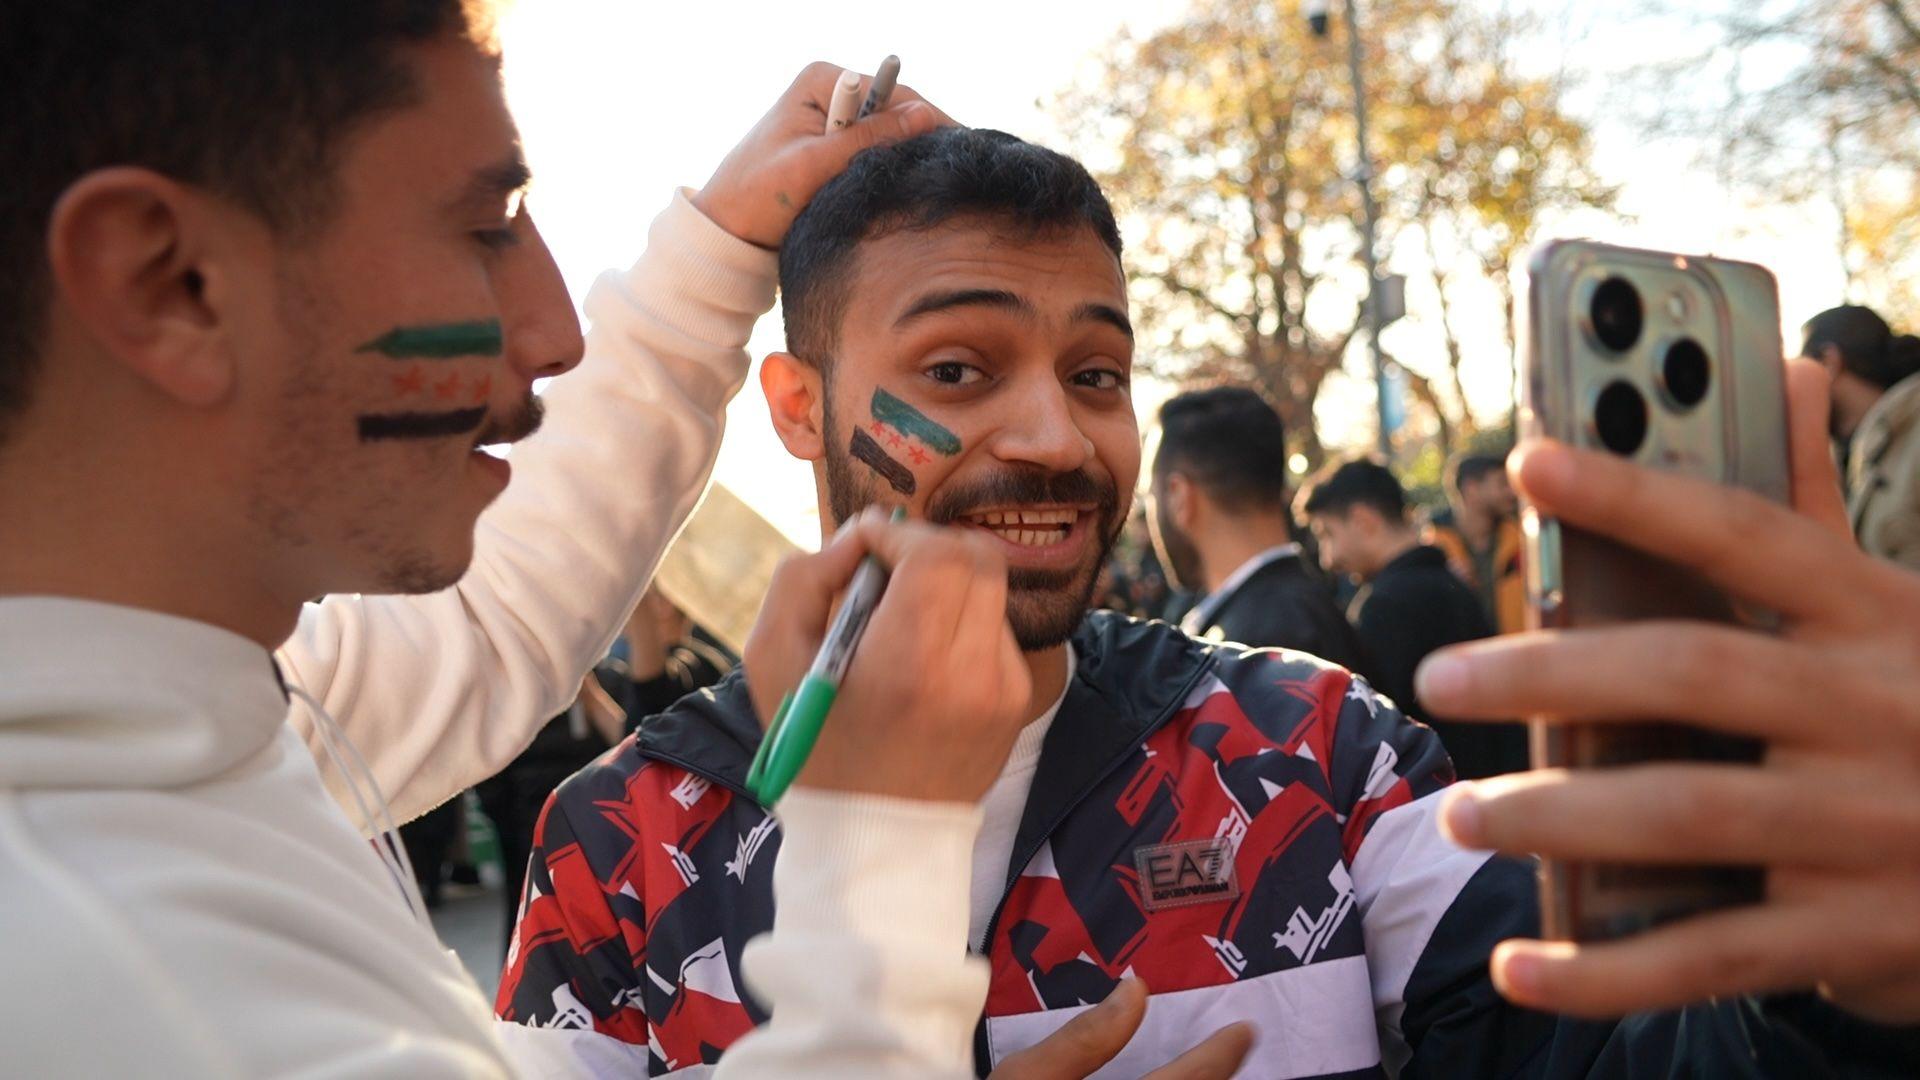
<point x="1731" y="432"/>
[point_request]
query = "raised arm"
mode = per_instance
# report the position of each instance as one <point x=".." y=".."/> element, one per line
<point x="439" y="691"/>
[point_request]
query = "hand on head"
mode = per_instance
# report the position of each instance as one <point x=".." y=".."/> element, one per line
<point x="770" y="176"/>
<point x="1833" y="815"/>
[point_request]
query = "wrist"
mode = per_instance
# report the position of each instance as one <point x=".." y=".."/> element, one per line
<point x="874" y="865"/>
<point x="718" y="209"/>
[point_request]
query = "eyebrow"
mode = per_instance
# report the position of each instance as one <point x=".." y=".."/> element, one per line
<point x="491" y="183"/>
<point x="933" y="303"/>
<point x="1106" y="313"/>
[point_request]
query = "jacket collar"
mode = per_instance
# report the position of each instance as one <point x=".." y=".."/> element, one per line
<point x="1897" y="409"/>
<point x="1128" y="679"/>
<point x="1417" y="557"/>
<point x="1207" y="611"/>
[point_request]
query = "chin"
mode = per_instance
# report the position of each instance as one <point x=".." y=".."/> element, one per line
<point x="1043" y="618"/>
<point x="422" y="570"/>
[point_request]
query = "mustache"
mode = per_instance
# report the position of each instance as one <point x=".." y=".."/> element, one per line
<point x="492" y="428"/>
<point x="514" y="426"/>
<point x="420" y="425"/>
<point x="1016" y="486"/>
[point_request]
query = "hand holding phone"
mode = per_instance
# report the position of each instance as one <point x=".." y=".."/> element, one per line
<point x="1832" y="814"/>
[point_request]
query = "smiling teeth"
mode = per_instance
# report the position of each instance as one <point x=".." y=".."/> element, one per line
<point x="1024" y="517"/>
<point x="1027" y="528"/>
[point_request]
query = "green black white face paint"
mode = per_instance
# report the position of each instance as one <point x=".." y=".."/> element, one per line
<point x="439" y="341"/>
<point x="890" y="414"/>
<point x="462" y="400"/>
<point x="905" y="430"/>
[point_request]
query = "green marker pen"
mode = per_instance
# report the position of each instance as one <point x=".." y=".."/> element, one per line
<point x="802" y="712"/>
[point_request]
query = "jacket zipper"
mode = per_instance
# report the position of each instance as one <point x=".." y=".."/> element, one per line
<point x="703" y="774"/>
<point x="1026" y="856"/>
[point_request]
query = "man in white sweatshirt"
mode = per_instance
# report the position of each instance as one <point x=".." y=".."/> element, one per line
<point x="269" y="287"/>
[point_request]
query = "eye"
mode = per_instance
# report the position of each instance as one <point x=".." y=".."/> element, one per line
<point x="1100" y="379"/>
<point x="955" y="373"/>
<point x="496" y="239"/>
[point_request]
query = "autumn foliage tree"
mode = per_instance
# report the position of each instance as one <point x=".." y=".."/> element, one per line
<point x="1227" y="142"/>
<point x="1811" y="102"/>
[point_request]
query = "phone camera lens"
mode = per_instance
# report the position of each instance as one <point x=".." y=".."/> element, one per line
<point x="1620" y="418"/>
<point x="1684" y="373"/>
<point x="1616" y="314"/>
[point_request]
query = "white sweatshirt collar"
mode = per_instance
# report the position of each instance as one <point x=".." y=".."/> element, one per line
<point x="98" y="695"/>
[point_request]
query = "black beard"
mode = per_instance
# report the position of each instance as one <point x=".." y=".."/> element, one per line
<point x="1044" y="607"/>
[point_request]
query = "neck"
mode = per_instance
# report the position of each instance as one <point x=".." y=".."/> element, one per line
<point x="1048" y="668"/>
<point x="1226" y="549"/>
<point x="1396" y="544"/>
<point x="1852" y="399"/>
<point x="1475" y="523"/>
<point x="115" y="520"/>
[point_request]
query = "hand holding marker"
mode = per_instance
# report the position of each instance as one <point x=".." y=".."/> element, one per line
<point x="797" y="722"/>
<point x="802" y="712"/>
<point x="842" y="110"/>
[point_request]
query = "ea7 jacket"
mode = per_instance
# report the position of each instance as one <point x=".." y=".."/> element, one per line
<point x="1250" y="832"/>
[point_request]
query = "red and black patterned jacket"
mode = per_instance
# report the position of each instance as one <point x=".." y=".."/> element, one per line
<point x="1349" y="930"/>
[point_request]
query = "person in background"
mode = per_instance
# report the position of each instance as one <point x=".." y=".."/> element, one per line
<point x="661" y="657"/>
<point x="1218" y="511"/>
<point x="1480" y="533"/>
<point x="1409" y="603"/>
<point x="1876" y="412"/>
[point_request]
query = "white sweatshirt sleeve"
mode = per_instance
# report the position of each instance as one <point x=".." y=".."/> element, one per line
<point x="442" y="690"/>
<point x="866" y="974"/>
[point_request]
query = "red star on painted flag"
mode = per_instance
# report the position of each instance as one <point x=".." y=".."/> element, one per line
<point x="893" y="437"/>
<point x="446" y="388"/>
<point x="482" y="388"/>
<point x="411" y="383"/>
<point x="917" y="455"/>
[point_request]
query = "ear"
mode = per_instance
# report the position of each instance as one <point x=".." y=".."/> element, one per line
<point x="1366" y="520"/>
<point x="1183" y="501"/>
<point x="1831" y="359"/>
<point x="129" y="251"/>
<point x="795" y="392"/>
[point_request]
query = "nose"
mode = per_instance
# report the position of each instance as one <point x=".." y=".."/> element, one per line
<point x="542" y="329"/>
<point x="1043" y="431"/>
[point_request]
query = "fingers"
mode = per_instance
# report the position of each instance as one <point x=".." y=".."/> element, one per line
<point x="1848" y="939"/>
<point x="1816" y="479"/>
<point x="808" y="584"/>
<point x="1084" y="1043"/>
<point x="1893" y="1002"/>
<point x="904" y="94"/>
<point x="1671" y="813"/>
<point x="901" y="120"/>
<point x="793" y="618"/>
<point x="1679" y="671"/>
<point x="1732" y="537"/>
<point x="1219" y="1057"/>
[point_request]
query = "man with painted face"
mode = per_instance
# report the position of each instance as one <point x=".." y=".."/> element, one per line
<point x="267" y="288"/>
<point x="1250" y="834"/>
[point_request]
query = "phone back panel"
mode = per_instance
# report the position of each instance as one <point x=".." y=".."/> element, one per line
<point x="1729" y="428"/>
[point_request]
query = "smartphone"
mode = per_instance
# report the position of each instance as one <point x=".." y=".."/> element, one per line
<point x="1672" y="362"/>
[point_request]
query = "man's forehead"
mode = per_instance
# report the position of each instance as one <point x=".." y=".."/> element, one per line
<point x="457" y="139"/>
<point x="1053" y="272"/>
